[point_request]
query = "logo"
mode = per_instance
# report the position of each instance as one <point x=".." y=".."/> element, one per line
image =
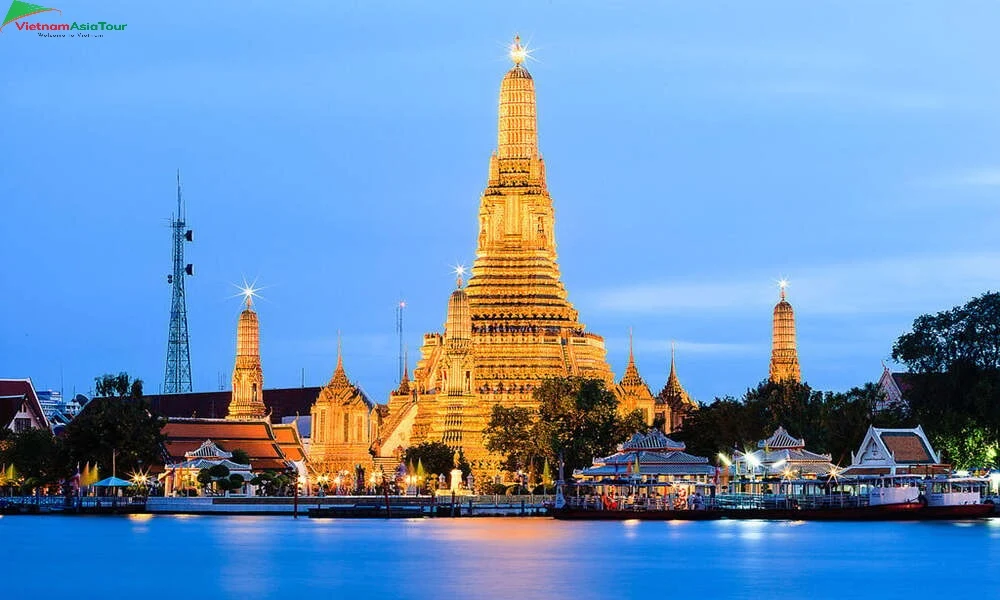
<point x="19" y="11"/>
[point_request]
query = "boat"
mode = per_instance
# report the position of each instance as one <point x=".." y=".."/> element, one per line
<point x="956" y="498"/>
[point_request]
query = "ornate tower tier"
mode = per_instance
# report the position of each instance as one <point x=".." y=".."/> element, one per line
<point x="248" y="377"/>
<point x="784" y="353"/>
<point x="512" y="325"/>
<point x="343" y="424"/>
<point x="524" y="328"/>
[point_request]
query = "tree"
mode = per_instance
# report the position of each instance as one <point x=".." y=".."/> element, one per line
<point x="514" y="433"/>
<point x="117" y="428"/>
<point x="240" y="457"/>
<point x="117" y="386"/>
<point x="37" y="456"/>
<point x="437" y="458"/>
<point x="954" y="385"/>
<point x="830" y="422"/>
<point x="577" y="420"/>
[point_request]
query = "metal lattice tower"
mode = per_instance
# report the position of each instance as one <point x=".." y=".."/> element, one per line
<point x="177" y="378"/>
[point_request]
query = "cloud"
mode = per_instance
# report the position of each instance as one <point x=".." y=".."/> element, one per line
<point x="903" y="284"/>
<point x="853" y="94"/>
<point x="662" y="347"/>
<point x="980" y="177"/>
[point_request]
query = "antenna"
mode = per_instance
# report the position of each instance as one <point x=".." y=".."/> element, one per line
<point x="177" y="375"/>
<point x="399" y="332"/>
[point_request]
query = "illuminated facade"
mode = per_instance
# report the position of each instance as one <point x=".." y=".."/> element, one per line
<point x="673" y="403"/>
<point x="512" y="326"/>
<point x="343" y="425"/>
<point x="248" y="378"/>
<point x="784" y="354"/>
<point x="633" y="393"/>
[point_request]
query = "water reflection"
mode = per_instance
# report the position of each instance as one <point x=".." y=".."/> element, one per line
<point x="259" y="557"/>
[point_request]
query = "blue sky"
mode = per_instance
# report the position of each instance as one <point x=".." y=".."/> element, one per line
<point x="336" y="152"/>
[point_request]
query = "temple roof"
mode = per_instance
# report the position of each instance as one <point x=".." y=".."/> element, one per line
<point x="208" y="449"/>
<point x="781" y="439"/>
<point x="649" y="463"/>
<point x="654" y="439"/>
<point x="673" y="392"/>
<point x="256" y="438"/>
<point x="14" y="392"/>
<point x="340" y="389"/>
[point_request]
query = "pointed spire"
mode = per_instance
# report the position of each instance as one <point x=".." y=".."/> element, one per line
<point x="404" y="382"/>
<point x="518" y="53"/>
<point x="784" y="351"/>
<point x="631" y="355"/>
<point x="673" y="392"/>
<point x="340" y="351"/>
<point x="673" y="359"/>
<point x="631" y="377"/>
<point x="339" y="379"/>
<point x="517" y="131"/>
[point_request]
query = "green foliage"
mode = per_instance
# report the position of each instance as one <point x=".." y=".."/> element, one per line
<point x="954" y="383"/>
<point x="120" y="424"/>
<point x="577" y="419"/>
<point x="38" y="457"/>
<point x="117" y="386"/>
<point x="437" y="458"/>
<point x="272" y="483"/>
<point x="830" y="422"/>
<point x="240" y="457"/>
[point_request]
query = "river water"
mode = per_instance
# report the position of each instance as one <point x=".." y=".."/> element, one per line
<point x="177" y="557"/>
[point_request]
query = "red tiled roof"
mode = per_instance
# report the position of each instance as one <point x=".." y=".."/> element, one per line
<point x="257" y="439"/>
<point x="289" y="441"/>
<point x="216" y="429"/>
<point x="24" y="389"/>
<point x="285" y="434"/>
<point x="907" y="447"/>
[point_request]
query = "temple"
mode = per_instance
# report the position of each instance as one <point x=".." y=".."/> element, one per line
<point x="247" y="427"/>
<point x="634" y="394"/>
<point x="785" y="456"/>
<point x="673" y="404"/>
<point x="784" y="354"/>
<point x="248" y="376"/>
<point x="512" y="326"/>
<point x="896" y="452"/>
<point x="344" y="422"/>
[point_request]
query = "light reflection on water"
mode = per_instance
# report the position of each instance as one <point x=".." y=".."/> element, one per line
<point x="260" y="557"/>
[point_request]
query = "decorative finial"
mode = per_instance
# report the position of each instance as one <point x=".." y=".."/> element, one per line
<point x="782" y="284"/>
<point x="673" y="354"/>
<point x="459" y="271"/>
<point x="248" y="291"/>
<point x="340" y="355"/>
<point x="631" y="356"/>
<point x="518" y="53"/>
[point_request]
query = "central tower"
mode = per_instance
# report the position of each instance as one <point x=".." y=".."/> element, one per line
<point x="524" y="329"/>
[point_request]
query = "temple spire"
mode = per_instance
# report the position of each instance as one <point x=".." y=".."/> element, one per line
<point x="631" y="355"/>
<point x="784" y="352"/>
<point x="673" y="359"/>
<point x="247" y="401"/>
<point x="517" y="131"/>
<point x="339" y="379"/>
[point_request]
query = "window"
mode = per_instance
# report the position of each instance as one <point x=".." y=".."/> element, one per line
<point x="347" y="426"/>
<point x="22" y="424"/>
